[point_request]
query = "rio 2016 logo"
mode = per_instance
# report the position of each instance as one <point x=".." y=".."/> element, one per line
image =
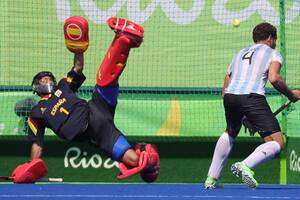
<point x="75" y="158"/>
<point x="176" y="14"/>
<point x="294" y="161"/>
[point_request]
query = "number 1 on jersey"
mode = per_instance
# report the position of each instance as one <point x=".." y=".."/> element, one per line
<point x="63" y="110"/>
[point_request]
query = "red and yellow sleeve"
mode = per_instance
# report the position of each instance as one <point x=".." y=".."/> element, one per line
<point x="33" y="125"/>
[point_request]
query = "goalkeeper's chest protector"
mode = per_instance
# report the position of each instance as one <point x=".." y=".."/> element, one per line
<point x="63" y="112"/>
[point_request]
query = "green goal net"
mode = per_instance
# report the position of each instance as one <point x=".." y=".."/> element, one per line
<point x="172" y="83"/>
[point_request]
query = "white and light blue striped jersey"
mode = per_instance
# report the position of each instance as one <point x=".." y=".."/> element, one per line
<point x="249" y="69"/>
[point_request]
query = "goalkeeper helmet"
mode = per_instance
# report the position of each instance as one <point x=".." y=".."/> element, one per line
<point x="42" y="89"/>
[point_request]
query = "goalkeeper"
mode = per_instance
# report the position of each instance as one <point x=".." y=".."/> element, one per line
<point x="74" y="119"/>
<point x="244" y="89"/>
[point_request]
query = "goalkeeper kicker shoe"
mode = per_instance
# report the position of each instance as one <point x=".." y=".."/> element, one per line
<point x="212" y="183"/>
<point x="239" y="169"/>
<point x="133" y="31"/>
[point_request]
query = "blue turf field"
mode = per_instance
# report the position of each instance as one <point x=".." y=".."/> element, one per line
<point x="144" y="191"/>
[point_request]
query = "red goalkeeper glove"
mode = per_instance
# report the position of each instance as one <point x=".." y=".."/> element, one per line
<point x="76" y="32"/>
<point x="29" y="172"/>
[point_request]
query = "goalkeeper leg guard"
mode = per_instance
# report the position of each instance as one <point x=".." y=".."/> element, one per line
<point x="128" y="35"/>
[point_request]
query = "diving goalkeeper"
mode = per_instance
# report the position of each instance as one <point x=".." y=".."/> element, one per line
<point x="74" y="119"/>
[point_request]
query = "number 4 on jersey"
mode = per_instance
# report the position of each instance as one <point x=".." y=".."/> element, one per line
<point x="248" y="55"/>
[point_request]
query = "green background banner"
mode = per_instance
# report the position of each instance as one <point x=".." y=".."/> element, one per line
<point x="293" y="160"/>
<point x="155" y="115"/>
<point x="182" y="160"/>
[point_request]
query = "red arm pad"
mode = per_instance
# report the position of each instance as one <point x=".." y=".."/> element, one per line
<point x="29" y="172"/>
<point x="76" y="29"/>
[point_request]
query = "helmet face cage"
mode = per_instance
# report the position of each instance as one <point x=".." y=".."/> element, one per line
<point x="43" y="89"/>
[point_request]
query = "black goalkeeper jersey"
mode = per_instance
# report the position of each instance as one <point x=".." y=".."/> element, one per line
<point x="63" y="112"/>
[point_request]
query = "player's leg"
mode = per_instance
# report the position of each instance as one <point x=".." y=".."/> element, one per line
<point x="128" y="35"/>
<point x="264" y="152"/>
<point x="130" y="158"/>
<point x="273" y="144"/>
<point x="221" y="153"/>
<point x="131" y="161"/>
<point x="104" y="134"/>
<point x="277" y="136"/>
<point x="225" y="142"/>
<point x="260" y="115"/>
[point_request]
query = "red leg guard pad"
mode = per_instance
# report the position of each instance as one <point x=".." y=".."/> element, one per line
<point x="128" y="35"/>
<point x="114" y="61"/>
<point x="29" y="172"/>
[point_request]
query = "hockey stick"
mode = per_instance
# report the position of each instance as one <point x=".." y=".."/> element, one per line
<point x="43" y="179"/>
<point x="6" y="178"/>
<point x="282" y="107"/>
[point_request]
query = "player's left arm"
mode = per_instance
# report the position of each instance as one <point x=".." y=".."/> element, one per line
<point x="226" y="83"/>
<point x="76" y="34"/>
<point x="227" y="77"/>
<point x="35" y="168"/>
<point x="36" y="131"/>
<point x="75" y="77"/>
<point x="78" y="63"/>
<point x="277" y="81"/>
<point x="36" y="150"/>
